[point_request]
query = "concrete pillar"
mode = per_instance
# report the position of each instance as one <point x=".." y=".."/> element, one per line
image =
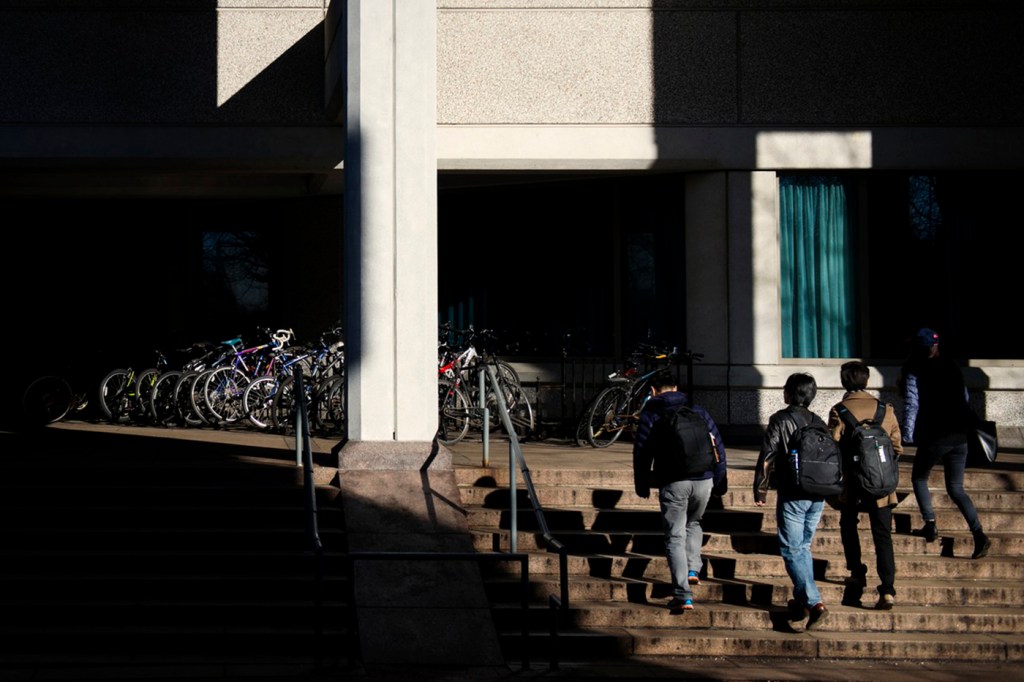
<point x="391" y="220"/>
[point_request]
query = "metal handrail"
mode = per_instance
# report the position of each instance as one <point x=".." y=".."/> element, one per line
<point x="516" y="455"/>
<point x="304" y="458"/>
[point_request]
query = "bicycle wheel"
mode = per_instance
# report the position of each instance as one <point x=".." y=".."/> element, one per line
<point x="183" y="400"/>
<point x="197" y="399"/>
<point x="144" y="383"/>
<point x="222" y="394"/>
<point x="46" y="400"/>
<point x="117" y="395"/>
<point x="609" y="417"/>
<point x="453" y="412"/>
<point x="258" y="402"/>
<point x="507" y="373"/>
<point x="161" y="398"/>
<point x="328" y="413"/>
<point x="520" y="411"/>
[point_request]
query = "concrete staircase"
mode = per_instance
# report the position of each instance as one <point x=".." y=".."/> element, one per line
<point x="949" y="607"/>
<point x="126" y="551"/>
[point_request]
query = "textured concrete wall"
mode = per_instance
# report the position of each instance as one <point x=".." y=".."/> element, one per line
<point x="184" y="61"/>
<point x="740" y="63"/>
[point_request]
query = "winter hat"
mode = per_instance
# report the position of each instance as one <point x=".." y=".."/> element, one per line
<point x="927" y="337"/>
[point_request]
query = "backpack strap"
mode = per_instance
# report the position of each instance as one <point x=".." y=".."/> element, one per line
<point x="852" y="422"/>
<point x="846" y="416"/>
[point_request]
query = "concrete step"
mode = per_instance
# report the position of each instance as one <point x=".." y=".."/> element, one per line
<point x="183" y="539"/>
<point x="734" y="565"/>
<point x="251" y="515"/>
<point x="54" y="561"/>
<point x="621" y="478"/>
<point x="832" y="567"/>
<point x="727" y="520"/>
<point x="935" y="593"/>
<point x="157" y="494"/>
<point x="820" y="644"/>
<point x="162" y="587"/>
<point x="567" y="496"/>
<point x="825" y="541"/>
<point x="723" y="616"/>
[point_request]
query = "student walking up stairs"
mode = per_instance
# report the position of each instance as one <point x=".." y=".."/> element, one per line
<point x="951" y="608"/>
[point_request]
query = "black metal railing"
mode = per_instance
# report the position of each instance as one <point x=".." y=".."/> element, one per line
<point x="313" y="542"/>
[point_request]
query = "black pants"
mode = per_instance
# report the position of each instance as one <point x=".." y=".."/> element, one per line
<point x="881" y="534"/>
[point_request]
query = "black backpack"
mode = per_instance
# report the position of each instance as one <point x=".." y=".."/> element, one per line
<point x="682" y="445"/>
<point x="814" y="463"/>
<point x="874" y="463"/>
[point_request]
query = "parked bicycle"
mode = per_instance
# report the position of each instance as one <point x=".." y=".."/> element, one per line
<point x="50" y="398"/>
<point x="269" y="401"/>
<point x="121" y="397"/>
<point x="459" y="399"/>
<point x="217" y="392"/>
<point x="615" y="410"/>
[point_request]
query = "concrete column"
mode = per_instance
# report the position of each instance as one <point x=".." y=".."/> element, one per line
<point x="391" y="220"/>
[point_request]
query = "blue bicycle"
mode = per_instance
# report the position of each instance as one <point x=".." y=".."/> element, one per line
<point x="616" y="409"/>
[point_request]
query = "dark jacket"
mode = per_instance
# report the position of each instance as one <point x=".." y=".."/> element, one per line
<point x="935" y="403"/>
<point x="647" y="470"/>
<point x="862" y="405"/>
<point x="781" y="426"/>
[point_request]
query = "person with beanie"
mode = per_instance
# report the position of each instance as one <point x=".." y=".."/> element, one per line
<point x="937" y="419"/>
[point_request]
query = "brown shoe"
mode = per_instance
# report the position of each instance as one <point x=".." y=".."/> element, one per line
<point x="817" y="614"/>
<point x="885" y="603"/>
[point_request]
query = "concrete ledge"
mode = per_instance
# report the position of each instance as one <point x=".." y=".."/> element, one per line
<point x="394" y="456"/>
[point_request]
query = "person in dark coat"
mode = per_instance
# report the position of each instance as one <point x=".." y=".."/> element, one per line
<point x="937" y="419"/>
<point x="683" y="500"/>
<point x="797" y="513"/>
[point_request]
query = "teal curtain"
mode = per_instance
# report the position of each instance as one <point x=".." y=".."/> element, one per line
<point x="817" y="257"/>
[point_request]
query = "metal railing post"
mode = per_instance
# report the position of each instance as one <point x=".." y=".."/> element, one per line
<point x="513" y="508"/>
<point x="486" y="416"/>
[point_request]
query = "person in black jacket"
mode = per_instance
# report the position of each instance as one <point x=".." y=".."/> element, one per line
<point x="682" y="500"/>
<point x="797" y="513"/>
<point x="937" y="419"/>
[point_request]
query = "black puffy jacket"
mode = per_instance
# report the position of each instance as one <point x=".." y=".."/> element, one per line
<point x="781" y="426"/>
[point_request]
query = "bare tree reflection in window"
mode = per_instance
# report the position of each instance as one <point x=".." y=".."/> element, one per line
<point x="925" y="213"/>
<point x="236" y="270"/>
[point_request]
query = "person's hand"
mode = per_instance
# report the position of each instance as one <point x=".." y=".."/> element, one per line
<point x="758" y="503"/>
<point x="721" y="488"/>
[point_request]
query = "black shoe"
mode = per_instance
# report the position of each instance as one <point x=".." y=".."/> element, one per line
<point x="857" y="578"/>
<point x="885" y="602"/>
<point x="817" y="614"/>
<point x="982" y="544"/>
<point x="929" y="532"/>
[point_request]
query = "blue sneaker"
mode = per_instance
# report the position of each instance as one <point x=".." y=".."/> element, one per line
<point x="677" y="605"/>
<point x="693" y="578"/>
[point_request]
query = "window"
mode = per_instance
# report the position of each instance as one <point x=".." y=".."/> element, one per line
<point x="236" y="269"/>
<point x="819" y="313"/>
<point x="868" y="258"/>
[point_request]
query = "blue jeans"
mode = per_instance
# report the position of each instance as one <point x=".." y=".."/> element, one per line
<point x="954" y="461"/>
<point x="797" y="521"/>
<point x="682" y="507"/>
